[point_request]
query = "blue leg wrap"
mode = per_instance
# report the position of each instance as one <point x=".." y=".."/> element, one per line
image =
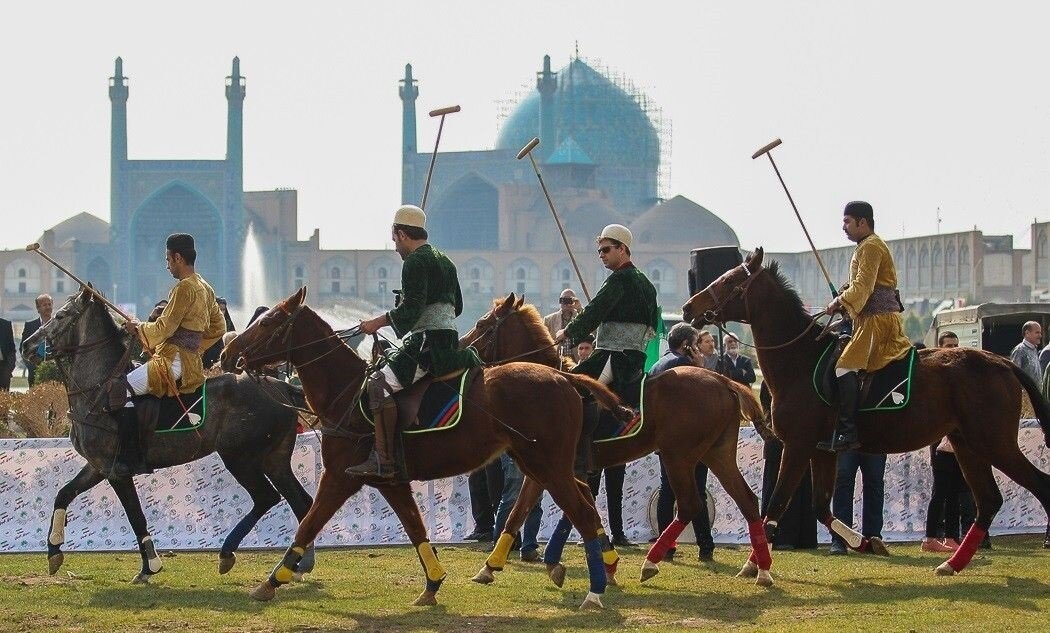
<point x="552" y="553"/>
<point x="306" y="563"/>
<point x="237" y="534"/>
<point x="596" y="566"/>
<point x="434" y="585"/>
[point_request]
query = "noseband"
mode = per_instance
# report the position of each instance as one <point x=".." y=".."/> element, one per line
<point x="713" y="314"/>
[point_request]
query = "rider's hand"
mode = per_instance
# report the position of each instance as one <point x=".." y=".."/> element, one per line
<point x="372" y="326"/>
<point x="560" y="336"/>
<point x="833" y="307"/>
<point x="131" y="325"/>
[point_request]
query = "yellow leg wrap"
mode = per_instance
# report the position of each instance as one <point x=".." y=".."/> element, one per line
<point x="600" y="533"/>
<point x="609" y="557"/>
<point x="283" y="573"/>
<point x="431" y="564"/>
<point x="498" y="557"/>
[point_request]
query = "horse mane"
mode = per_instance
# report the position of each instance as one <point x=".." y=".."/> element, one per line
<point x="787" y="287"/>
<point x="533" y="321"/>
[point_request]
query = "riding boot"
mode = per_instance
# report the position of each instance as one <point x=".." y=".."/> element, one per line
<point x="583" y="463"/>
<point x="129" y="456"/>
<point x="380" y="462"/>
<point x="845" y="438"/>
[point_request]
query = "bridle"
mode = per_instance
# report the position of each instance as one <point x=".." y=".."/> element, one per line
<point x="282" y="333"/>
<point x="713" y="314"/>
<point x="492" y="331"/>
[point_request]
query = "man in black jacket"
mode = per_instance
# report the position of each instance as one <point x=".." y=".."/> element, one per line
<point x="44" y="306"/>
<point x="737" y="366"/>
<point x="7" y="354"/>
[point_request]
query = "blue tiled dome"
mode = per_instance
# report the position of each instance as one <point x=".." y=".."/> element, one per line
<point x="609" y="126"/>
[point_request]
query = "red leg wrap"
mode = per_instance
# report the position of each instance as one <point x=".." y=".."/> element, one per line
<point x="759" y="546"/>
<point x="665" y="542"/>
<point x="961" y="558"/>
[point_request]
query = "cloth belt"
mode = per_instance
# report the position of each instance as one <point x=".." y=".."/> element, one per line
<point x="186" y="339"/>
<point x="619" y="336"/>
<point x="883" y="300"/>
<point x="436" y="316"/>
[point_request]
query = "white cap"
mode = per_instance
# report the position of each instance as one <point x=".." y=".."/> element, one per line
<point x="411" y="215"/>
<point x="617" y="232"/>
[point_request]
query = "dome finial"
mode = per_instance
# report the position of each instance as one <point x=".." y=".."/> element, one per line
<point x="577" y="49"/>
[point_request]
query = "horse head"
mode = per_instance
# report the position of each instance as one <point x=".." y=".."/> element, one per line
<point x="725" y="298"/>
<point x="73" y="328"/>
<point x="270" y="338"/>
<point x="512" y="329"/>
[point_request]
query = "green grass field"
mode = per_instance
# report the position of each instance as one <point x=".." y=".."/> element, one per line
<point x="371" y="590"/>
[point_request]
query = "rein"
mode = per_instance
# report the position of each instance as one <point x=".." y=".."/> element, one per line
<point x="494" y="331"/>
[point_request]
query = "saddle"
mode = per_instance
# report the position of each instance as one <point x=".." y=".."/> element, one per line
<point x="632" y="395"/>
<point x="431" y="403"/>
<point x="888" y="389"/>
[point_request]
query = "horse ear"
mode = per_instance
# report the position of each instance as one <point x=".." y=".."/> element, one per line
<point x="508" y="302"/>
<point x="754" y="261"/>
<point x="296" y="299"/>
<point x="519" y="302"/>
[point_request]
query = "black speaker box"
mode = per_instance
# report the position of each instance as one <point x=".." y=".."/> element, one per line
<point x="708" y="264"/>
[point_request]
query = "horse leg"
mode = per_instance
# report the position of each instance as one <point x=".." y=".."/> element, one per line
<point x="581" y="512"/>
<point x="86" y="479"/>
<point x="1013" y="463"/>
<point x="129" y="498"/>
<point x="978" y="474"/>
<point x="264" y="497"/>
<point x="681" y="475"/>
<point x="722" y="463"/>
<point x="403" y="503"/>
<point x="332" y="492"/>
<point x="825" y="473"/>
<point x="284" y="480"/>
<point x="556" y="545"/>
<point x="792" y="466"/>
<point x="527" y="497"/>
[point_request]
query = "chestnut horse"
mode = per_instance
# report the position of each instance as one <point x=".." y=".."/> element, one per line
<point x="691" y="415"/>
<point x="532" y="412"/>
<point x="972" y="396"/>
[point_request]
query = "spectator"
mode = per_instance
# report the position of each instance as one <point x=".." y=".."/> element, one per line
<point x="685" y="344"/>
<point x="797" y="528"/>
<point x="569" y="306"/>
<point x="211" y="356"/>
<point x="873" y="473"/>
<point x="512" y="480"/>
<point x="585" y="348"/>
<point x="157" y="309"/>
<point x="7" y="354"/>
<point x="1026" y="354"/>
<point x="708" y="357"/>
<point x="942" y="515"/>
<point x="44" y="306"/>
<point x="736" y="365"/>
<point x="614" y="476"/>
<point x="486" y="487"/>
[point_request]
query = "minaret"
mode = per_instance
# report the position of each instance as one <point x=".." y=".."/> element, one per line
<point x="547" y="85"/>
<point x="408" y="92"/>
<point x="233" y="211"/>
<point x="118" y="156"/>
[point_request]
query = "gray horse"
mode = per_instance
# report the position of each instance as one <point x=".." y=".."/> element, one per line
<point x="246" y="424"/>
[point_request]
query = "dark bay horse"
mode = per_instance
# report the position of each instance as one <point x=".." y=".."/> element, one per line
<point x="691" y="415"/>
<point x="252" y="433"/>
<point x="532" y="412"/>
<point x="972" y="396"/>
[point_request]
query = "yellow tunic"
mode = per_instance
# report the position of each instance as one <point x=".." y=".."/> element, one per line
<point x="878" y="339"/>
<point x="191" y="306"/>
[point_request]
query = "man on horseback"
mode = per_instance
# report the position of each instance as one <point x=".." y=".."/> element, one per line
<point x="624" y="312"/>
<point x="871" y="302"/>
<point x="424" y="318"/>
<point x="190" y="323"/>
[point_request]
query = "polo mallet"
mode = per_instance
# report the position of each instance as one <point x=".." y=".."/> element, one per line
<point x="35" y="247"/>
<point x="527" y="151"/>
<point x="441" y="112"/>
<point x="768" y="151"/>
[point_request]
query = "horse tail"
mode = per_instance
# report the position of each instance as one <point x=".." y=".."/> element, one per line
<point x="1039" y="403"/>
<point x="749" y="405"/>
<point x="603" y="395"/>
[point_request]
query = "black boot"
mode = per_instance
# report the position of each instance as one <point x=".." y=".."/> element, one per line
<point x="129" y="457"/>
<point x="380" y="462"/>
<point x="845" y="438"/>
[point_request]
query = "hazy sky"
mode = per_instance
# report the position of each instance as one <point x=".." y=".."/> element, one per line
<point x="910" y="105"/>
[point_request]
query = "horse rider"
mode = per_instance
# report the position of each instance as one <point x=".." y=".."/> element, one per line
<point x="872" y="302"/>
<point x="625" y="314"/>
<point x="190" y="323"/>
<point x="430" y="300"/>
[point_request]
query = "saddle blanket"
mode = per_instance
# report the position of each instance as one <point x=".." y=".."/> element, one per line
<point x="888" y="389"/>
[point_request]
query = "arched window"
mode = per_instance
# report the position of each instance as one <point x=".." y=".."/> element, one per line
<point x="381" y="272"/>
<point x="937" y="267"/>
<point x="479" y="280"/>
<point x="299" y="271"/>
<point x="951" y="270"/>
<point x="21" y="273"/>
<point x="924" y="268"/>
<point x="964" y="265"/>
<point x="523" y="277"/>
<point x="334" y="273"/>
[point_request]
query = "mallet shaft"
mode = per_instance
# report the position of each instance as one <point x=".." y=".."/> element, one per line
<point x="98" y="295"/>
<point x="441" y="112"/>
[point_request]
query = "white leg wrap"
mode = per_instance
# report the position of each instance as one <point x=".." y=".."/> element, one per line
<point x="852" y="537"/>
<point x="58" y="527"/>
<point x="153" y="561"/>
<point x="594" y="599"/>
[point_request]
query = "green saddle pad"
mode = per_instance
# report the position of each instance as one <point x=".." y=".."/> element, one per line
<point x="623" y="430"/>
<point x="441" y="408"/>
<point x="889" y="388"/>
<point x="174" y="415"/>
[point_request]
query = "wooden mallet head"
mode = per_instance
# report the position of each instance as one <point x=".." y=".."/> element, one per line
<point x="444" y="111"/>
<point x="767" y="148"/>
<point x="528" y="148"/>
<point x="35" y="246"/>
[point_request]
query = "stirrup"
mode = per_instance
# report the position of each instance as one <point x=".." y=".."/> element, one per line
<point x="839" y="443"/>
<point x="373" y="467"/>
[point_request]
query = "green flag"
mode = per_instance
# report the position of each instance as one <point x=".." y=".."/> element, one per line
<point x="652" y="350"/>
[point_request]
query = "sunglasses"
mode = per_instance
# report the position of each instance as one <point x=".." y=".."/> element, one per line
<point x="605" y="249"/>
<point x="566" y="300"/>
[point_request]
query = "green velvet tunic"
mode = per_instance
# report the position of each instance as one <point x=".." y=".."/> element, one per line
<point x="627" y="296"/>
<point x="428" y="278"/>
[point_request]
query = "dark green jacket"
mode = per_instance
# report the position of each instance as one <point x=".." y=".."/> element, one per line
<point x="626" y="296"/>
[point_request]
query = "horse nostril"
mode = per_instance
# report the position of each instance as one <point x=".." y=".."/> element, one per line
<point x="709" y="316"/>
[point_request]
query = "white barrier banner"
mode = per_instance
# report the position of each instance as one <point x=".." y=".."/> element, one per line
<point x="194" y="506"/>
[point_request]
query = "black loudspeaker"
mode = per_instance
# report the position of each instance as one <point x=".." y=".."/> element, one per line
<point x="708" y="264"/>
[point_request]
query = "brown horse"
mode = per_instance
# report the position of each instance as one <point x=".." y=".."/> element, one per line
<point x="532" y="412"/>
<point x="972" y="396"/>
<point x="683" y="432"/>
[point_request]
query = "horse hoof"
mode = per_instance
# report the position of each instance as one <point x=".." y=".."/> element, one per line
<point x="764" y="579"/>
<point x="556" y="572"/>
<point x="484" y="576"/>
<point x="878" y="547"/>
<point x="610" y="580"/>
<point x="649" y="569"/>
<point x="749" y="570"/>
<point x="264" y="592"/>
<point x="141" y="579"/>
<point x="944" y="569"/>
<point x="592" y="602"/>
<point x="426" y="599"/>
<point x="54" y="562"/>
<point x="226" y="563"/>
<point x="298" y="576"/>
